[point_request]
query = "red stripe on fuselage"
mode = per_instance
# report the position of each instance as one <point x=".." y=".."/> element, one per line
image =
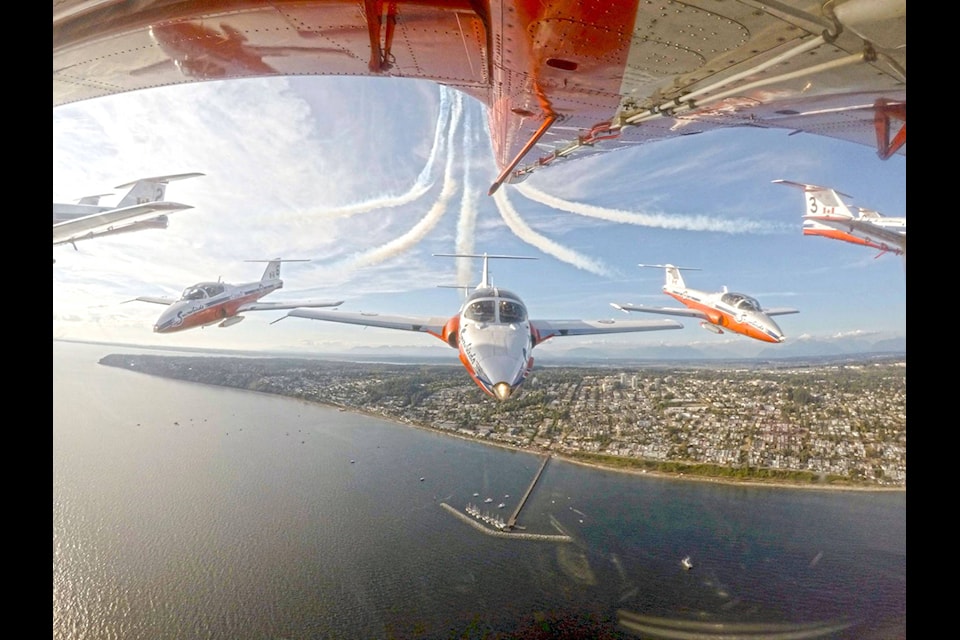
<point x="218" y="312"/>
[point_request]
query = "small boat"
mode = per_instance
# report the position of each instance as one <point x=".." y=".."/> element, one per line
<point x="501" y="506"/>
<point x="488" y="500"/>
<point x="422" y="479"/>
<point x="687" y="564"/>
<point x="475" y="495"/>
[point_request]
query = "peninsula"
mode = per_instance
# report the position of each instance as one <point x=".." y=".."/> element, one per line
<point x="836" y="425"/>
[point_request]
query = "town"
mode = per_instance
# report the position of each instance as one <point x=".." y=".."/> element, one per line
<point x="830" y="423"/>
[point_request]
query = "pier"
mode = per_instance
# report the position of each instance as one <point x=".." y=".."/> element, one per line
<point x="512" y="521"/>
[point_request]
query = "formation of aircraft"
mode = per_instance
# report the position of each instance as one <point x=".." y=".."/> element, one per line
<point x="827" y="215"/>
<point x="220" y="303"/>
<point x="143" y="207"/>
<point x="735" y="312"/>
<point x="560" y="79"/>
<point x="491" y="331"/>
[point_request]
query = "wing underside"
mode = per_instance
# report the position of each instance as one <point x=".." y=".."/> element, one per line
<point x="75" y="229"/>
<point x="601" y="77"/>
<point x="864" y="228"/>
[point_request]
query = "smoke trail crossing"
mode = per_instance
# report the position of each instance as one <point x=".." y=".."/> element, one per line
<point x="401" y="244"/>
<point x="525" y="233"/>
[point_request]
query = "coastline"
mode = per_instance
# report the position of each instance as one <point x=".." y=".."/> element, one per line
<point x="772" y="484"/>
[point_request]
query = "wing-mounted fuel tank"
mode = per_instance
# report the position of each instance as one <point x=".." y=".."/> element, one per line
<point x="230" y="321"/>
<point x="711" y="327"/>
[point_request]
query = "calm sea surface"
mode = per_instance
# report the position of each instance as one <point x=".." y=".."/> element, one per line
<point x="190" y="511"/>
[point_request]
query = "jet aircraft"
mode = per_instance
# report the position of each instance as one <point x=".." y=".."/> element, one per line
<point x="492" y="331"/>
<point x="207" y="303"/>
<point x="561" y="79"/>
<point x="735" y="312"/>
<point x="143" y="207"/>
<point x="827" y="215"/>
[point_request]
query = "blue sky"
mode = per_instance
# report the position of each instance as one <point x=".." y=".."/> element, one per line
<point x="368" y="178"/>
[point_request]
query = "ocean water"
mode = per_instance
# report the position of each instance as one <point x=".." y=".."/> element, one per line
<point x="191" y="511"/>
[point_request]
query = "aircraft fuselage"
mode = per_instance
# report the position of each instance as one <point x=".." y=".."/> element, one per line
<point x="189" y="313"/>
<point x="749" y="322"/>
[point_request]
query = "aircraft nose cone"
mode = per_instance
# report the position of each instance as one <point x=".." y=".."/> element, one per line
<point x="502" y="390"/>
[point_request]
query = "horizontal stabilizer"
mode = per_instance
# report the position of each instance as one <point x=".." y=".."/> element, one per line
<point x="160" y="179"/>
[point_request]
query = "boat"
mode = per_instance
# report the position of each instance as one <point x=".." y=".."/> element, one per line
<point x="488" y="500"/>
<point x="422" y="479"/>
<point x="687" y="564"/>
<point x="501" y="505"/>
<point x="475" y="495"/>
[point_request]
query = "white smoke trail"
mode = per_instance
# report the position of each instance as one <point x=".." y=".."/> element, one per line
<point x="466" y="224"/>
<point x="423" y="182"/>
<point x="525" y="233"/>
<point x="428" y="222"/>
<point x="658" y="220"/>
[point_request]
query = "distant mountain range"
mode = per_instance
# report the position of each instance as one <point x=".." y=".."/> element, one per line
<point x="558" y="353"/>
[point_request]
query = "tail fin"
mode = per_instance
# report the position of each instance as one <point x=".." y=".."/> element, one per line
<point x="672" y="277"/>
<point x="149" y="189"/>
<point x="821" y="201"/>
<point x="272" y="272"/>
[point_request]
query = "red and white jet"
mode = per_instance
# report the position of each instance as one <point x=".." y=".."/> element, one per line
<point x="207" y="303"/>
<point x="491" y="331"/>
<point x="828" y="216"/>
<point x="735" y="312"/>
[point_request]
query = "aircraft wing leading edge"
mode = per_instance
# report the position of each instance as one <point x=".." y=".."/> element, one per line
<point x="550" y="328"/>
<point x="154" y="300"/>
<point x="670" y="311"/>
<point x="780" y="311"/>
<point x="432" y="325"/>
<point x="292" y="304"/>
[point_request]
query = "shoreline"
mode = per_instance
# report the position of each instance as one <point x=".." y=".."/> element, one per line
<point x="769" y="483"/>
<point x="773" y="484"/>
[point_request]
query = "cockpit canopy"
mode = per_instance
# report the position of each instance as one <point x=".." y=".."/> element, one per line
<point x="202" y="291"/>
<point x="741" y="301"/>
<point x="495" y="306"/>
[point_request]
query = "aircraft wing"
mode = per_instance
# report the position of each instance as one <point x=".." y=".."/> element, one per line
<point x="154" y="300"/>
<point x="780" y="311"/>
<point x="865" y="228"/>
<point x="550" y="328"/>
<point x="292" y="304"/>
<point x="686" y="312"/>
<point x="432" y="325"/>
<point x="567" y="78"/>
<point x="78" y="228"/>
